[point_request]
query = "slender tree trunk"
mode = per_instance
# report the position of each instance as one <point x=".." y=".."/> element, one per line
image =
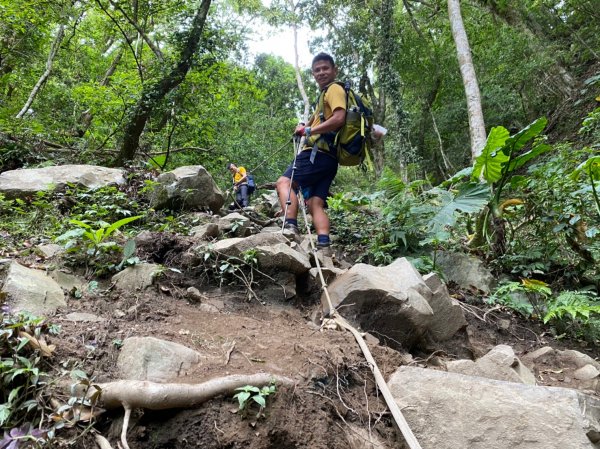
<point x="154" y="93"/>
<point x="467" y="70"/>
<point x="86" y="116"/>
<point x="60" y="34"/>
<point x="297" y="67"/>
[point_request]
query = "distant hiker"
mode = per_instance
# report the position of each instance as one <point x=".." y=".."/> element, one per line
<point x="240" y="185"/>
<point x="316" y="166"/>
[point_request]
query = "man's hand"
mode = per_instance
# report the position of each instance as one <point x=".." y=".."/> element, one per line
<point x="300" y="130"/>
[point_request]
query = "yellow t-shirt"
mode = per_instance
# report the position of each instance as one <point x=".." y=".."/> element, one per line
<point x="239" y="175"/>
<point x="335" y="98"/>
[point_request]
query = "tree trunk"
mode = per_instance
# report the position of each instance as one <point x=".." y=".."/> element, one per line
<point x="153" y="93"/>
<point x="467" y="70"/>
<point x="297" y="68"/>
<point x="86" y="117"/>
<point x="60" y="34"/>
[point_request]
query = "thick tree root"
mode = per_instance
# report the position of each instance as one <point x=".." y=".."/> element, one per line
<point x="131" y="394"/>
<point x="155" y="396"/>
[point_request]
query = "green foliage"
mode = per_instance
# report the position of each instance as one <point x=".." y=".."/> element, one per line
<point x="528" y="297"/>
<point x="93" y="243"/>
<point x="249" y="394"/>
<point x="22" y="365"/>
<point x="575" y="305"/>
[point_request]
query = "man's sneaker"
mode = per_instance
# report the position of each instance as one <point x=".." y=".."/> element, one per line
<point x="291" y="230"/>
<point x="325" y="249"/>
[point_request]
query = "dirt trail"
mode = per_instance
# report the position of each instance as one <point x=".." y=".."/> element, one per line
<point x="335" y="389"/>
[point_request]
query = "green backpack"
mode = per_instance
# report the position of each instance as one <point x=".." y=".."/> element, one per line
<point x="351" y="143"/>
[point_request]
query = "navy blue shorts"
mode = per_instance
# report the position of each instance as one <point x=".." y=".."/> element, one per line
<point x="314" y="179"/>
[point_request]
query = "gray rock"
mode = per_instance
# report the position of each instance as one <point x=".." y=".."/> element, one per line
<point x="136" y="277"/>
<point x="50" y="250"/>
<point x="68" y="282"/>
<point x="206" y="231"/>
<point x="280" y="257"/>
<point x="391" y="301"/>
<point x="500" y="363"/>
<point x="23" y="182"/>
<point x="32" y="290"/>
<point x="84" y="317"/>
<point x="155" y="360"/>
<point x="237" y="224"/>
<point x="237" y="245"/>
<point x="450" y="411"/>
<point x="187" y="187"/>
<point x="467" y="271"/>
<point x="587" y="372"/>
<point x="448" y="315"/>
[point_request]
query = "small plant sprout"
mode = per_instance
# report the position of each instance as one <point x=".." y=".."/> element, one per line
<point x="250" y="393"/>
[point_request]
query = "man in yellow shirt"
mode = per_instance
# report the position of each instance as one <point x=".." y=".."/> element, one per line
<point x="316" y="165"/>
<point x="240" y="185"/>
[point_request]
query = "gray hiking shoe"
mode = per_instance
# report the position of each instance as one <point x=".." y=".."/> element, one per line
<point x="291" y="230"/>
<point x="325" y="249"/>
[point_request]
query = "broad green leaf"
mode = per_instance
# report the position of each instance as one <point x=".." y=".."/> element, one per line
<point x="80" y="223"/>
<point x="519" y="140"/>
<point x="242" y="398"/>
<point x="4" y="413"/>
<point x="488" y="164"/>
<point x="591" y="165"/>
<point x="471" y="198"/>
<point x="260" y="400"/>
<point x="117" y="224"/>
<point x="522" y="159"/>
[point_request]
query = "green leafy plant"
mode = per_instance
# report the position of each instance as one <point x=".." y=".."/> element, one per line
<point x="22" y="377"/>
<point x="528" y="297"/>
<point x="250" y="394"/>
<point x="575" y="305"/>
<point x="95" y="243"/>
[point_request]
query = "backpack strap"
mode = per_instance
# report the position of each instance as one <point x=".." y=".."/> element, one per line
<point x="330" y="137"/>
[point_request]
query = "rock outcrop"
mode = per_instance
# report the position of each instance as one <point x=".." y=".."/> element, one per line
<point x="25" y="182"/>
<point x="450" y="411"/>
<point x="187" y="187"/>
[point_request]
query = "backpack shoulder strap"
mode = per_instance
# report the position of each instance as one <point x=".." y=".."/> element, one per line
<point x="321" y="101"/>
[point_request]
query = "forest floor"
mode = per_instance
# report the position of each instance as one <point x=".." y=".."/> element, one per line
<point x="335" y="392"/>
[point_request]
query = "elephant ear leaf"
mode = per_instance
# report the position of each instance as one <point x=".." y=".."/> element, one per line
<point x="488" y="165"/>
<point x="520" y="139"/>
<point x="471" y="198"/>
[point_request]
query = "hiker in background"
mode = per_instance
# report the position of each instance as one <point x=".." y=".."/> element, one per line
<point x="316" y="166"/>
<point x="240" y="185"/>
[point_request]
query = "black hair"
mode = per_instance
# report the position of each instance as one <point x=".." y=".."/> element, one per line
<point x="229" y="165"/>
<point x="323" y="57"/>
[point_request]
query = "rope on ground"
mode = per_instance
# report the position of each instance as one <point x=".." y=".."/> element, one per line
<point x="409" y="436"/>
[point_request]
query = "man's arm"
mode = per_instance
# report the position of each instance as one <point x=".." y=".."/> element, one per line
<point x="333" y="123"/>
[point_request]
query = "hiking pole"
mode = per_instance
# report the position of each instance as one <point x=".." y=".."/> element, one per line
<point x="296" y="142"/>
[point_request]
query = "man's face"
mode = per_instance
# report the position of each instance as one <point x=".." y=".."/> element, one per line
<point x="233" y="169"/>
<point x="324" y="73"/>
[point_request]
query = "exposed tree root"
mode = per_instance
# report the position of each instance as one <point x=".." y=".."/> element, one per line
<point x="131" y="394"/>
<point x="155" y="396"/>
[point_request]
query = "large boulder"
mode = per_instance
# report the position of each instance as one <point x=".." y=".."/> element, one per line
<point x="466" y="271"/>
<point x="449" y="411"/>
<point x="280" y="257"/>
<point x="32" y="290"/>
<point x="389" y="301"/>
<point x="155" y="360"/>
<point x="25" y="182"/>
<point x="236" y="246"/>
<point x="187" y="187"/>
